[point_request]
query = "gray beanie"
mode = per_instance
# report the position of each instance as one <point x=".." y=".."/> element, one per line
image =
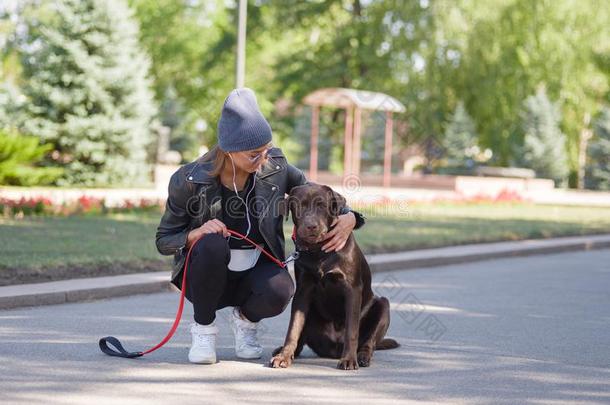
<point x="242" y="125"/>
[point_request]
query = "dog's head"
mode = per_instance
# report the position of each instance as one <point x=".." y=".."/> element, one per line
<point x="313" y="208"/>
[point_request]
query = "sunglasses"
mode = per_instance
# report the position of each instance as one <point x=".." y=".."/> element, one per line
<point x="261" y="155"/>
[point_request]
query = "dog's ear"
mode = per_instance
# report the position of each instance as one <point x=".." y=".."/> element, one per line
<point x="337" y="202"/>
<point x="285" y="208"/>
<point x="287" y="204"/>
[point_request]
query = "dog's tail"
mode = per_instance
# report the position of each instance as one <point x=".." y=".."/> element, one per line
<point x="387" y="344"/>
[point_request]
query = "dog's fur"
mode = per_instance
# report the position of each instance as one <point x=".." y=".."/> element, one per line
<point x="334" y="310"/>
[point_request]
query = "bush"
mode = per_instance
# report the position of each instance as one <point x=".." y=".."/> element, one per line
<point x="18" y="156"/>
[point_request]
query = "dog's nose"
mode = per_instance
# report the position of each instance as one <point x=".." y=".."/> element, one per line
<point x="313" y="227"/>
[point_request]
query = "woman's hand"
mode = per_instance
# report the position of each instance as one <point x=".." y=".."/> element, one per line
<point x="337" y="237"/>
<point x="211" y="226"/>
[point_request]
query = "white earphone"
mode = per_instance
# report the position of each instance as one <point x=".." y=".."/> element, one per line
<point x="242" y="200"/>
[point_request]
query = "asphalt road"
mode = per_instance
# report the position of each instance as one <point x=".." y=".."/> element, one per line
<point x="517" y="331"/>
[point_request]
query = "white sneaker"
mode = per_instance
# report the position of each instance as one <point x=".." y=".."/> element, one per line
<point x="203" y="348"/>
<point x="246" y="343"/>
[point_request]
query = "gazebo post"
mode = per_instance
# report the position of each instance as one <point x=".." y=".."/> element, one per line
<point x="347" y="142"/>
<point x="387" y="152"/>
<point x="353" y="101"/>
<point x="356" y="146"/>
<point x="313" y="158"/>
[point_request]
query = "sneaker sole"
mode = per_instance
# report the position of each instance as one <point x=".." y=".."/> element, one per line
<point x="206" y="361"/>
<point x="253" y="357"/>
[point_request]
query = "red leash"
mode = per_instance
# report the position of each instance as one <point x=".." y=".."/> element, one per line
<point x="121" y="352"/>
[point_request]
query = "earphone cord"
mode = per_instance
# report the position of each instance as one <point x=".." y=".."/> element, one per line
<point x="241" y="199"/>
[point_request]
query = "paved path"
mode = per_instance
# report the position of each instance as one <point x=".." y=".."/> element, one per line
<point x="526" y="330"/>
<point x="86" y="289"/>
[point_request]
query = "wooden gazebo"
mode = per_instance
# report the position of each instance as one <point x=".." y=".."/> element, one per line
<point x="353" y="101"/>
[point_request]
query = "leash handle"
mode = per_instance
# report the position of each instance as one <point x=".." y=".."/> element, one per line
<point x="120" y="350"/>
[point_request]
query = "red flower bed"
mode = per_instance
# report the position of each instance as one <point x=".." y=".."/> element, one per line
<point x="87" y="205"/>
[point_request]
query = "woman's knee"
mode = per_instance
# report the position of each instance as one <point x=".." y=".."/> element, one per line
<point x="211" y="247"/>
<point x="270" y="296"/>
<point x="279" y="291"/>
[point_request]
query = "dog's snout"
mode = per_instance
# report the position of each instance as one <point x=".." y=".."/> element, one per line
<point x="311" y="225"/>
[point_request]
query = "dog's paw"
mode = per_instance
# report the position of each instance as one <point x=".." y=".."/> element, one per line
<point x="277" y="350"/>
<point x="348" y="363"/>
<point x="280" y="361"/>
<point x="364" y="359"/>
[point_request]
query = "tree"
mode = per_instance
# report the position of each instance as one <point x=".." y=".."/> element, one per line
<point x="429" y="54"/>
<point x="460" y="140"/>
<point x="86" y="91"/>
<point x="173" y="115"/>
<point x="598" y="170"/>
<point x="544" y="143"/>
<point x="355" y="44"/>
<point x="191" y="61"/>
<point x="513" y="46"/>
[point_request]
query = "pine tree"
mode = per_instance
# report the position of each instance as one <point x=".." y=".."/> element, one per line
<point x="544" y="147"/>
<point x="87" y="92"/>
<point x="174" y="115"/>
<point x="460" y="141"/>
<point x="598" y="168"/>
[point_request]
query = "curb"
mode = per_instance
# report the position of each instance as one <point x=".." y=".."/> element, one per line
<point x="484" y="251"/>
<point x="79" y="290"/>
<point x="95" y="288"/>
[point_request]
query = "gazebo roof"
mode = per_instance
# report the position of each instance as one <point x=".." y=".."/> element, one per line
<point x="345" y="98"/>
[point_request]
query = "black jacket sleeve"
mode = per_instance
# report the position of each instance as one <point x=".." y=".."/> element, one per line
<point x="173" y="227"/>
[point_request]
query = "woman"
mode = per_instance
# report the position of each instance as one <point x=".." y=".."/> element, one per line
<point x="239" y="184"/>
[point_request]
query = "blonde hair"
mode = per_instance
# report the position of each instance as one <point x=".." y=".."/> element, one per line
<point x="218" y="156"/>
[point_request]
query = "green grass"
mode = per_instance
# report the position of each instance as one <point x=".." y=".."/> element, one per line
<point x="36" y="242"/>
<point x="433" y="225"/>
<point x="83" y="241"/>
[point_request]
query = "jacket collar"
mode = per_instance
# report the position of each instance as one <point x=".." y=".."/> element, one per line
<point x="200" y="171"/>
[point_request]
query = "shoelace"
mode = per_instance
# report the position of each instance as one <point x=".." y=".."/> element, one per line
<point x="247" y="336"/>
<point x="205" y="338"/>
<point x="250" y="337"/>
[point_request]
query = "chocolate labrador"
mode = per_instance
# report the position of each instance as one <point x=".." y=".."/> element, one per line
<point x="334" y="310"/>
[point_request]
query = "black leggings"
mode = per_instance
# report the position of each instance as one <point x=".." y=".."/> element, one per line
<point x="262" y="292"/>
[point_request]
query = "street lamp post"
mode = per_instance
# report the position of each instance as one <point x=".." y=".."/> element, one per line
<point x="240" y="64"/>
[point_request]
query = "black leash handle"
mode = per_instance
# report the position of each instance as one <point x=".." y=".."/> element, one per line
<point x="120" y="350"/>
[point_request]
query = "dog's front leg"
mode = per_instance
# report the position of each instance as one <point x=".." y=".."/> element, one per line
<point x="298" y="314"/>
<point x="353" y="301"/>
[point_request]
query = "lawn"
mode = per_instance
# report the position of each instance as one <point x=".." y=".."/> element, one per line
<point x="445" y="224"/>
<point x="44" y="248"/>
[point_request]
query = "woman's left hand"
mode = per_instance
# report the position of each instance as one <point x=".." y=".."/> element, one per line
<point x="337" y="237"/>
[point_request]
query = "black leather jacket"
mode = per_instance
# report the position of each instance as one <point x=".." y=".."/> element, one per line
<point x="194" y="197"/>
